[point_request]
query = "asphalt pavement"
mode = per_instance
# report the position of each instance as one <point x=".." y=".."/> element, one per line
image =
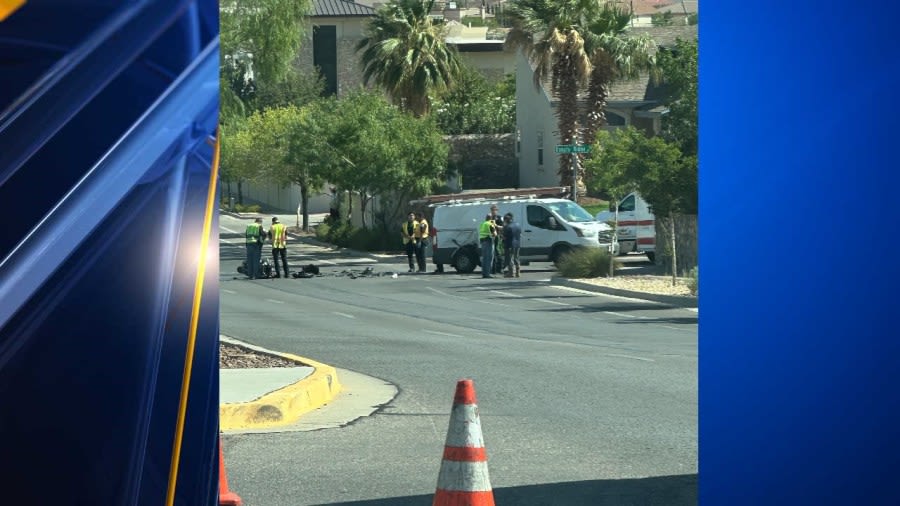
<point x="584" y="398"/>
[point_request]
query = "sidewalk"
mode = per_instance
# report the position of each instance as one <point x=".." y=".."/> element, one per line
<point x="263" y="398"/>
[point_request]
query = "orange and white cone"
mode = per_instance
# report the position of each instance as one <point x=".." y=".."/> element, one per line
<point x="463" y="479"/>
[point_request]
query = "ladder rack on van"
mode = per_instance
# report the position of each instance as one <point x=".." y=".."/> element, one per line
<point x="481" y="195"/>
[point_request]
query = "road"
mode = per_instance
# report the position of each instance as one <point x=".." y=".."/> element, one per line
<point x="584" y="399"/>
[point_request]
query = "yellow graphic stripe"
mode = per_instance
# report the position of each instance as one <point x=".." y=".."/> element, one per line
<point x="7" y="7"/>
<point x="192" y="333"/>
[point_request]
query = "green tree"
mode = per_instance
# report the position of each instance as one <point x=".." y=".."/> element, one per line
<point x="297" y="88"/>
<point x="678" y="66"/>
<point x="473" y="106"/>
<point x="625" y="159"/>
<point x="409" y="157"/>
<point x="259" y="39"/>
<point x="282" y="140"/>
<point x="405" y="54"/>
<point x="237" y="157"/>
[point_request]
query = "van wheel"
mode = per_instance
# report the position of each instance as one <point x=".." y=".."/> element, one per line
<point x="465" y="261"/>
<point x="651" y="255"/>
<point x="558" y="253"/>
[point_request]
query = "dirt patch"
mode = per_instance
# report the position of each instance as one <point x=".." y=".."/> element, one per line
<point x="237" y="357"/>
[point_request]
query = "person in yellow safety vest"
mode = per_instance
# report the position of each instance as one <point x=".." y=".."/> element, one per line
<point x="421" y="236"/>
<point x="255" y="236"/>
<point x="278" y="234"/>
<point x="487" y="231"/>
<point x="408" y="233"/>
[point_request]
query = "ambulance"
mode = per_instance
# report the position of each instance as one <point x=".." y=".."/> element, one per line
<point x="636" y="226"/>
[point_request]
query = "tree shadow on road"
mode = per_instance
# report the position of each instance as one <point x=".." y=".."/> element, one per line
<point x="677" y="490"/>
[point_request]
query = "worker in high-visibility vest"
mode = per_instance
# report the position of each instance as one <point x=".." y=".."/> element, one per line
<point x="408" y="233"/>
<point x="487" y="232"/>
<point x="421" y="236"/>
<point x="255" y="235"/>
<point x="278" y="235"/>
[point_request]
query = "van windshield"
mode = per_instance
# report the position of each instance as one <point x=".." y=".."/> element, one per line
<point x="571" y="212"/>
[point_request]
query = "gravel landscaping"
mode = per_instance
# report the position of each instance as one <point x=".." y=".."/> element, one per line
<point x="238" y="357"/>
<point x="659" y="285"/>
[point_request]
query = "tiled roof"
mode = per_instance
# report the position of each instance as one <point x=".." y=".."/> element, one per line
<point x="340" y="8"/>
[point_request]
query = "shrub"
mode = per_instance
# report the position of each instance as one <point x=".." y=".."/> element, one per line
<point x="693" y="283"/>
<point x="241" y="208"/>
<point x="586" y="263"/>
<point x="345" y="235"/>
<point x="323" y="232"/>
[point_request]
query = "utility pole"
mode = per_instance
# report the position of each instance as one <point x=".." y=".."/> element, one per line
<point x="575" y="177"/>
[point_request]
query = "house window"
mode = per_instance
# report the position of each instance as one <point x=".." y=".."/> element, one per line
<point x="540" y="143"/>
<point x="325" y="56"/>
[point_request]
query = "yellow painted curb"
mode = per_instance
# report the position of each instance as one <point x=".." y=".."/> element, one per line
<point x="285" y="405"/>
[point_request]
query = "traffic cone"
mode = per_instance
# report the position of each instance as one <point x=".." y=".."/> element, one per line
<point x="226" y="497"/>
<point x="463" y="479"/>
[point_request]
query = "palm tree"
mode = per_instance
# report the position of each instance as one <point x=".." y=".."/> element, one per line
<point x="615" y="54"/>
<point x="551" y="35"/>
<point x="578" y="43"/>
<point x="404" y="53"/>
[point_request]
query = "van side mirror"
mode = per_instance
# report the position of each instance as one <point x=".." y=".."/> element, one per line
<point x="551" y="222"/>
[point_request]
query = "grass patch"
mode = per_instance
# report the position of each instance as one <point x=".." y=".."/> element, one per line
<point x="586" y="263"/>
<point x="593" y="209"/>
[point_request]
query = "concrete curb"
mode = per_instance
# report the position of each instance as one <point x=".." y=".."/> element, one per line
<point x="671" y="300"/>
<point x="285" y="405"/>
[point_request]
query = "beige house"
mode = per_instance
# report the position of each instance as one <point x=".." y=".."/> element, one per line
<point x="634" y="102"/>
<point x="337" y="26"/>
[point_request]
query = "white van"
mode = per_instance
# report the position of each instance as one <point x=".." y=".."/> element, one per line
<point x="550" y="229"/>
<point x="636" y="227"/>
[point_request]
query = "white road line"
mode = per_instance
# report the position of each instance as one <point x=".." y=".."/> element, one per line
<point x="229" y="291"/>
<point x="629" y="356"/>
<point x="622" y="314"/>
<point x="553" y="302"/>
<point x="345" y="315"/>
<point x="588" y="292"/>
<point x="223" y="227"/>
<point x="675" y="328"/>
<point x="506" y="293"/>
<point x="275" y="301"/>
<point x="435" y="290"/>
<point x="442" y="333"/>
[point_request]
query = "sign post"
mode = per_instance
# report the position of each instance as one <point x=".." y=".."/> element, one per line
<point x="571" y="149"/>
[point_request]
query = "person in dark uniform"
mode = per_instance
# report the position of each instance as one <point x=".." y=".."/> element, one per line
<point x="498" y="241"/>
<point x="512" y="240"/>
